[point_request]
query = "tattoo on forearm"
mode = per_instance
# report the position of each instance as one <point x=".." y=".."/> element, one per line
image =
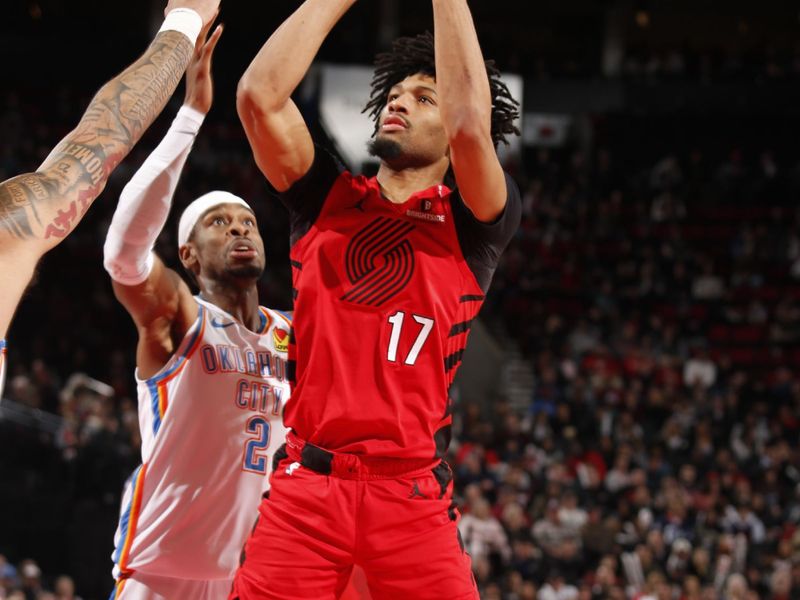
<point x="152" y="98"/>
<point x="13" y="217"/>
<point x="126" y="106"/>
<point x="91" y="162"/>
<point x="76" y="171"/>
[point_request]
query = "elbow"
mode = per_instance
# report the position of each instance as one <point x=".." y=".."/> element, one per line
<point x="469" y="136"/>
<point x="260" y="93"/>
<point x="246" y="96"/>
<point x="468" y="126"/>
<point x="254" y="94"/>
<point x="126" y="261"/>
<point x="124" y="266"/>
<point x="112" y="254"/>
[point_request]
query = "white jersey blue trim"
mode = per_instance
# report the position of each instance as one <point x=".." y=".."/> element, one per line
<point x="157" y="392"/>
<point x="210" y="421"/>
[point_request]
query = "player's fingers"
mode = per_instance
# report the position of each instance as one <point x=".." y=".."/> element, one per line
<point x="212" y="41"/>
<point x="201" y="39"/>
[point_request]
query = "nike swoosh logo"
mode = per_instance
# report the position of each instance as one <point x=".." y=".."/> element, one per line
<point x="216" y="323"/>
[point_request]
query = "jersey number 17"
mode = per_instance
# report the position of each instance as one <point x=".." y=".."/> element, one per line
<point x="394" y="340"/>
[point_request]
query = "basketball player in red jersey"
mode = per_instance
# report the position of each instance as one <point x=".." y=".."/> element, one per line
<point x="38" y="210"/>
<point x="388" y="274"/>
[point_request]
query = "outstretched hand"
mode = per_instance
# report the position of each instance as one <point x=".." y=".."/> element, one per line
<point x="199" y="83"/>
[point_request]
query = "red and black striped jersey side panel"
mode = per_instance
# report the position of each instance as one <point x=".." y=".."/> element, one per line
<point x="469" y="307"/>
<point x="455" y="345"/>
<point x="291" y="362"/>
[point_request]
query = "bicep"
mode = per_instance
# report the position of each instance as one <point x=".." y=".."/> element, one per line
<point x="163" y="310"/>
<point x="43" y="207"/>
<point x="281" y="143"/>
<point x="483" y="242"/>
<point x="159" y="301"/>
<point x="37" y="210"/>
<point x="19" y="221"/>
<point x="40" y="209"/>
<point x="479" y="175"/>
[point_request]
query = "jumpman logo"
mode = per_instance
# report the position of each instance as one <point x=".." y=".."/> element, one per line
<point x="415" y="493"/>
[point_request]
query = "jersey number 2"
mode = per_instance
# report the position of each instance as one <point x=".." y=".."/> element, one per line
<point x="255" y="459"/>
<point x="394" y="340"/>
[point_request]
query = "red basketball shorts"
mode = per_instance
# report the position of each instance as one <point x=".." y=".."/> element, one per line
<point x="313" y="527"/>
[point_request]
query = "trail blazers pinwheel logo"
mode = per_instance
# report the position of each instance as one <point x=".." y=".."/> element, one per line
<point x="379" y="262"/>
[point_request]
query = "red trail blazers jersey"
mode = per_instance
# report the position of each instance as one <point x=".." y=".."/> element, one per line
<point x="384" y="298"/>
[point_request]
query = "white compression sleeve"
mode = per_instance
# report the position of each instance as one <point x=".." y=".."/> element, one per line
<point x="145" y="202"/>
<point x="187" y="21"/>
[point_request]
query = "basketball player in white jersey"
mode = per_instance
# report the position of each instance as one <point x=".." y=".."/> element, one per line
<point x="211" y="374"/>
<point x="38" y="210"/>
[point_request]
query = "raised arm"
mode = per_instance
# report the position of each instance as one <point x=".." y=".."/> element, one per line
<point x="157" y="298"/>
<point x="39" y="209"/>
<point x="281" y="143"/>
<point x="465" y="104"/>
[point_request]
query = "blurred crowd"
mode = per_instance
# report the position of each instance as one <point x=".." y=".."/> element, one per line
<point x="24" y="581"/>
<point x="764" y="62"/>
<point x="658" y="308"/>
<point x="648" y="62"/>
<point x="658" y="456"/>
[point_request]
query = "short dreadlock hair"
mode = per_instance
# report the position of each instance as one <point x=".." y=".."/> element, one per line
<point x="412" y="55"/>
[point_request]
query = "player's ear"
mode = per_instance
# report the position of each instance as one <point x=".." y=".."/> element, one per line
<point x="188" y="256"/>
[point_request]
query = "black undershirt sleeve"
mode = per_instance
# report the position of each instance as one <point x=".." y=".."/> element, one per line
<point x="304" y="199"/>
<point x="483" y="243"/>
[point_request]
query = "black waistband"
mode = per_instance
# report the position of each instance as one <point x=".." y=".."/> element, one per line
<point x="316" y="459"/>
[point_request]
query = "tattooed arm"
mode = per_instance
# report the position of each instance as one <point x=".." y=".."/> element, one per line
<point x="39" y="209"/>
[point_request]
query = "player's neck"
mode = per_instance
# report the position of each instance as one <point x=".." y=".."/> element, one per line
<point x="240" y="303"/>
<point x="397" y="185"/>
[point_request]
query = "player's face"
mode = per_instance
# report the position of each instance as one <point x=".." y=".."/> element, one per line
<point x="228" y="243"/>
<point x="411" y="122"/>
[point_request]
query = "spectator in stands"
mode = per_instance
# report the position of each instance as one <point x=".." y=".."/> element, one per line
<point x="556" y="588"/>
<point x="64" y="588"/>
<point x="699" y="369"/>
<point x="558" y="541"/>
<point x="30" y="576"/>
<point x="482" y="533"/>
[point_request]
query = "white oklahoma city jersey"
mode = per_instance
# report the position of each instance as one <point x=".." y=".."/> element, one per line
<point x="210" y="423"/>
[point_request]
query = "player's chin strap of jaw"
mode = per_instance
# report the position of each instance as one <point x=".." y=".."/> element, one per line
<point x="145" y="202"/>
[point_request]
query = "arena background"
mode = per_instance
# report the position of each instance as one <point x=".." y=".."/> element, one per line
<point x="629" y="413"/>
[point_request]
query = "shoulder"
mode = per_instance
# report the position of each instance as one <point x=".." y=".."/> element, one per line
<point x="325" y="169"/>
<point x="509" y="218"/>
<point x="494" y="236"/>
<point x="280" y="317"/>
